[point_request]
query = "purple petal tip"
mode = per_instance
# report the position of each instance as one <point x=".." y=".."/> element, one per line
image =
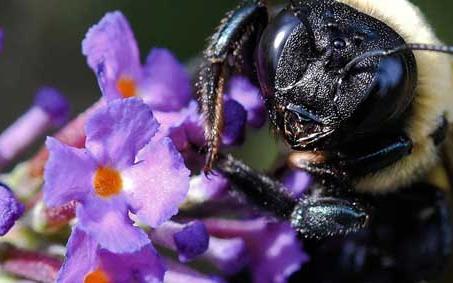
<point x="296" y="181"/>
<point x="168" y="87"/>
<point x="1" y="39"/>
<point x="192" y="240"/>
<point x="249" y="96"/>
<point x="10" y="209"/>
<point x="54" y="104"/>
<point x="229" y="255"/>
<point x="234" y="125"/>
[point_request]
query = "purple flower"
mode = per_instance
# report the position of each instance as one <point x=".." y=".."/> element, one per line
<point x="192" y="240"/>
<point x="235" y="118"/>
<point x="189" y="240"/>
<point x="120" y="171"/>
<point x="178" y="273"/>
<point x="163" y="83"/>
<point x="203" y="189"/>
<point x="228" y="255"/>
<point x="49" y="109"/>
<point x="296" y="181"/>
<point x="273" y="248"/>
<point x="112" y="52"/>
<point x="54" y="104"/>
<point x="184" y="127"/>
<point x="243" y="105"/>
<point x="87" y="262"/>
<point x="249" y="96"/>
<point x="10" y="209"/>
<point x="167" y="82"/>
<point x="2" y="35"/>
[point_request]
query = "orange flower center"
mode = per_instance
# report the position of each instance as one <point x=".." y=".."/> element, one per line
<point x="97" y="276"/>
<point x="107" y="182"/>
<point x="126" y="86"/>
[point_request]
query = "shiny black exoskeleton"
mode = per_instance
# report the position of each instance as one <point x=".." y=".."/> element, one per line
<point x="408" y="240"/>
<point x="300" y="60"/>
<point x="321" y="96"/>
<point x="315" y="100"/>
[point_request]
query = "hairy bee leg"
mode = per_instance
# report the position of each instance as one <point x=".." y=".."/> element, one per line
<point x="211" y="93"/>
<point x="362" y="157"/>
<point x="323" y="217"/>
<point x="259" y="188"/>
<point x="239" y="27"/>
<point x="315" y="216"/>
<point x="333" y="176"/>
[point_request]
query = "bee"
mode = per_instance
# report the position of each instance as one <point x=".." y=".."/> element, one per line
<point x="362" y="93"/>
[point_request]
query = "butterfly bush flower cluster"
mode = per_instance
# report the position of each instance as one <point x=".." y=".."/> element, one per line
<point x="121" y="186"/>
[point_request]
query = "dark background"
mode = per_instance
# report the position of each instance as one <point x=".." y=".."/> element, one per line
<point x="42" y="46"/>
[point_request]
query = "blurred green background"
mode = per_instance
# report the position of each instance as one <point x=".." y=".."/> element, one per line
<point x="42" y="45"/>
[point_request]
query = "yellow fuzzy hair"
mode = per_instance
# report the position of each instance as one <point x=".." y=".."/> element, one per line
<point x="434" y="93"/>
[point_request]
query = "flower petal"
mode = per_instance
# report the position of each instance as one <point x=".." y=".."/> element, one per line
<point x="250" y="98"/>
<point x="80" y="257"/>
<point x="144" y="265"/>
<point x="107" y="221"/>
<point x="2" y="35"/>
<point x="84" y="256"/>
<point x="112" y="52"/>
<point x="296" y="181"/>
<point x="68" y="173"/>
<point x="228" y="255"/>
<point x="279" y="255"/>
<point x="189" y="240"/>
<point x="203" y="189"/>
<point x="167" y="85"/>
<point x="10" y="209"/>
<point x="117" y="132"/>
<point x="183" y="127"/>
<point x="275" y="252"/>
<point x="172" y="126"/>
<point x="158" y="184"/>
<point x="181" y="273"/>
<point x="54" y="104"/>
<point x="192" y="240"/>
<point x="234" y="123"/>
<point x="194" y="125"/>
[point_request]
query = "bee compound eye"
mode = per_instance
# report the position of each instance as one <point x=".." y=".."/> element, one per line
<point x="271" y="46"/>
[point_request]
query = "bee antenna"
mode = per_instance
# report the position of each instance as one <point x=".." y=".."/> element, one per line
<point x="387" y="52"/>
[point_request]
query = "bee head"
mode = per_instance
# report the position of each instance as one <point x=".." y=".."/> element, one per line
<point x="319" y="95"/>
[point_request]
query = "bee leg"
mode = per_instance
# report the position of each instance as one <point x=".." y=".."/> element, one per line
<point x="370" y="155"/>
<point x="262" y="190"/>
<point x="356" y="159"/>
<point x="233" y="41"/>
<point x="324" y="217"/>
<point x="317" y="215"/>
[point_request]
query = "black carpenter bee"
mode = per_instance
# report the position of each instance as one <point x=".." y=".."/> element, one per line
<point x="362" y="92"/>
